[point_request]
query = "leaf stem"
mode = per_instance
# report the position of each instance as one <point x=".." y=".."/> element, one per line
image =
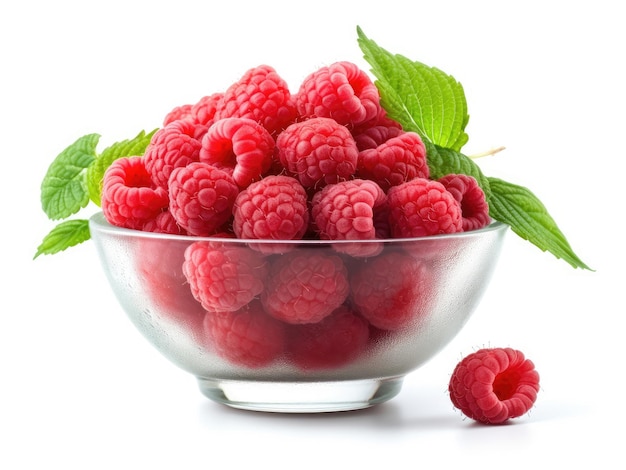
<point x="487" y="153"/>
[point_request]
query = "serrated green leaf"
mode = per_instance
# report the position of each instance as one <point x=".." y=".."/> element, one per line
<point x="518" y="207"/>
<point x="64" y="187"/>
<point x="443" y="161"/>
<point x="422" y="99"/>
<point x="64" y="235"/>
<point x="126" y="148"/>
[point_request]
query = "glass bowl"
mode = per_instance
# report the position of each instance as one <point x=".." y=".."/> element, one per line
<point x="297" y="326"/>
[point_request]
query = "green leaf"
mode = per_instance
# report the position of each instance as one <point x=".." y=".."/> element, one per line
<point x="422" y="99"/>
<point x="443" y="161"/>
<point x="126" y="148"/>
<point x="521" y="209"/>
<point x="64" y="235"/>
<point x="64" y="188"/>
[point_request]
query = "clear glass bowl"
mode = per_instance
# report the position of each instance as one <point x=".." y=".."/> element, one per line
<point x="300" y="345"/>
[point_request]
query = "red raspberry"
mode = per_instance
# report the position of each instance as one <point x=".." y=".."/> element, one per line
<point x="474" y="206"/>
<point x="381" y="221"/>
<point x="422" y="207"/>
<point x="348" y="211"/>
<point x="305" y="287"/>
<point x="374" y="133"/>
<point x="171" y="146"/>
<point x="203" y="112"/>
<point x="493" y="385"/>
<point x="335" y="341"/>
<point x="272" y="208"/>
<point x="395" y="161"/>
<point x="223" y="277"/>
<point x="164" y="223"/>
<point x="340" y="91"/>
<point x="201" y="198"/>
<point x="178" y="113"/>
<point x="318" y="151"/>
<point x="247" y="337"/>
<point x="240" y="145"/>
<point x="159" y="264"/>
<point x="261" y="95"/>
<point x="391" y="290"/>
<point x="129" y="197"/>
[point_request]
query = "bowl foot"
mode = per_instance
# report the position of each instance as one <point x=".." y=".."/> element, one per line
<point x="301" y="397"/>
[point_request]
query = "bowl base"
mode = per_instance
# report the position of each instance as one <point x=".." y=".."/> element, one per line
<point x="301" y="397"/>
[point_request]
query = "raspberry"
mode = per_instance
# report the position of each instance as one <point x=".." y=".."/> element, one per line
<point x="203" y="112"/>
<point x="261" y="95"/>
<point x="164" y="223"/>
<point x="347" y="211"/>
<point x="159" y="266"/>
<point x="374" y="133"/>
<point x="422" y="207"/>
<point x="305" y="287"/>
<point x="223" y="277"/>
<point x="318" y="151"/>
<point x="171" y="146"/>
<point x="178" y="113"/>
<point x="240" y="145"/>
<point x="335" y="341"/>
<point x="272" y="208"/>
<point x="247" y="337"/>
<point x="470" y="195"/>
<point x="381" y="221"/>
<point x="391" y="290"/>
<point x="201" y="198"/>
<point x="493" y="385"/>
<point x="340" y="91"/>
<point x="395" y="161"/>
<point x="129" y="198"/>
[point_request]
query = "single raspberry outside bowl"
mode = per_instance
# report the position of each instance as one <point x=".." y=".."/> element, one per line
<point x="453" y="269"/>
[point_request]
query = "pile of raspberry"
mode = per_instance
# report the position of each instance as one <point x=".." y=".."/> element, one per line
<point x="258" y="162"/>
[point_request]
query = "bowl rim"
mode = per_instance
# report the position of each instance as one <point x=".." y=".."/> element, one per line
<point x="98" y="222"/>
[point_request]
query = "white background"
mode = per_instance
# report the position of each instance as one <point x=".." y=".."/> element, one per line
<point x="82" y="389"/>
